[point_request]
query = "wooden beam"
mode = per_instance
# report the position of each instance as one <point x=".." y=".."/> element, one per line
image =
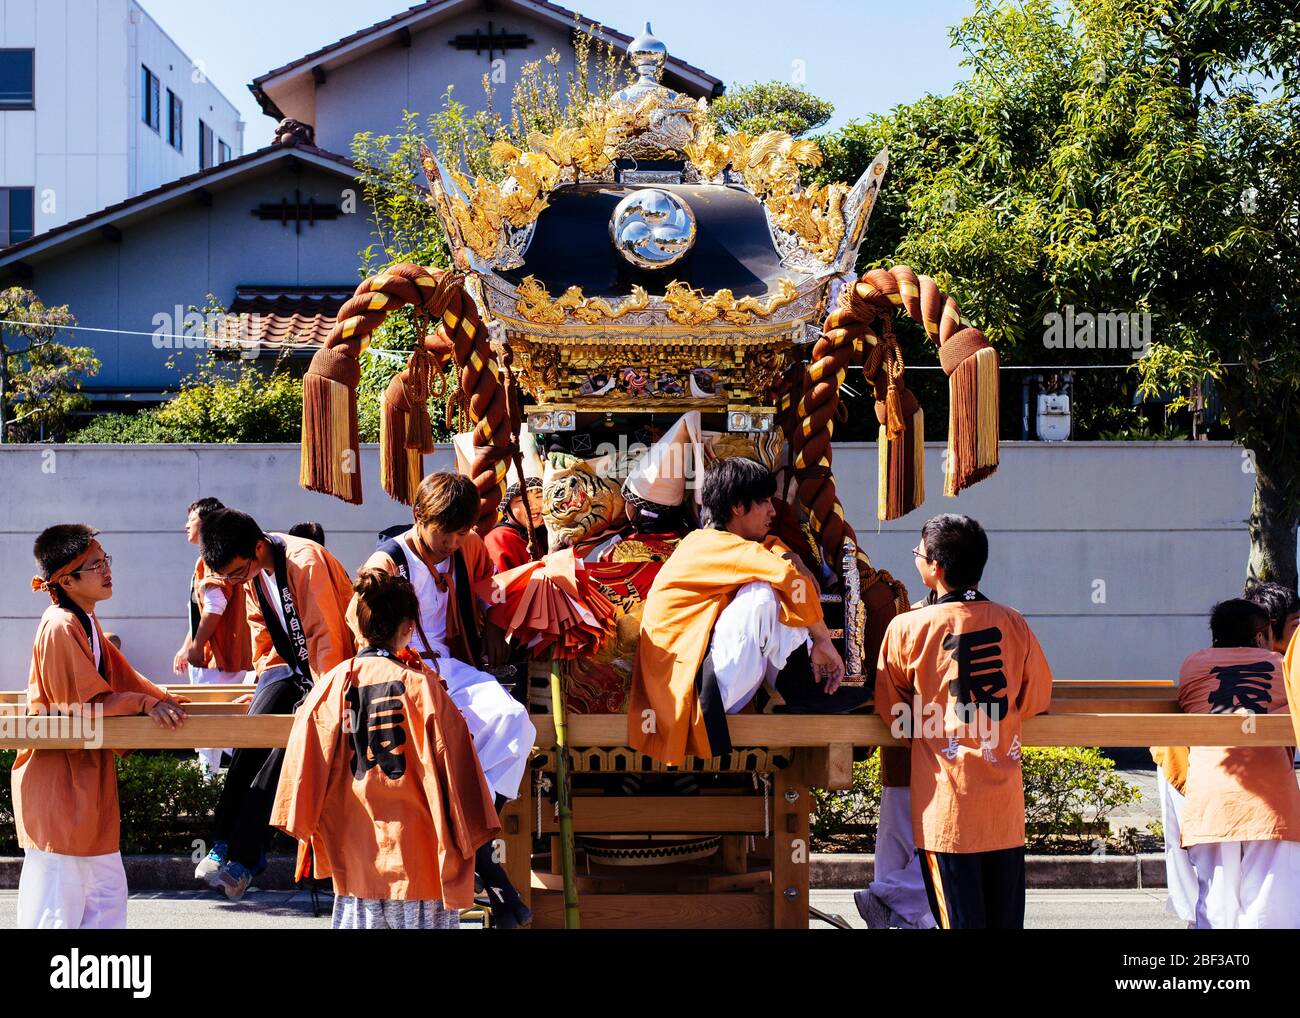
<point x="404" y="37"/>
<point x="319" y="75"/>
<point x="728" y="911"/>
<point x="203" y="196"/>
<point x="110" y="233"/>
<point x="271" y="730"/>
<point x="791" y="849"/>
<point x="717" y="814"/>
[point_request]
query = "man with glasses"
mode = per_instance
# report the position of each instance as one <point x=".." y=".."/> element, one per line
<point x="65" y="801"/>
<point x="217" y="648"/>
<point x="956" y="678"/>
<point x="297" y="595"/>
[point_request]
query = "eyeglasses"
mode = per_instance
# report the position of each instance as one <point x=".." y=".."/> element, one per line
<point x="239" y="577"/>
<point x="98" y="566"/>
<point x="919" y="552"/>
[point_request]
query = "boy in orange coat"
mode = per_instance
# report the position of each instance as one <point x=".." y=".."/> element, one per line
<point x="65" y="801"/>
<point x="296" y="596"/>
<point x="957" y="677"/>
<point x="218" y="647"/>
<point x="727" y="612"/>
<point x="381" y="779"/>
<point x="1241" y="818"/>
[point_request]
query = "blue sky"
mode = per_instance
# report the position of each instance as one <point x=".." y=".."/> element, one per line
<point x="865" y="57"/>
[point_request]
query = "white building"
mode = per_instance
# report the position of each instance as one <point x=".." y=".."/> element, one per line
<point x="97" y="105"/>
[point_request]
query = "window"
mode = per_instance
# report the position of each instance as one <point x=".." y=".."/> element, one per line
<point x="149" y="98"/>
<point x="205" y="146"/>
<point x="175" y="122"/>
<point x="223" y="152"/>
<point x="17" y="214"/>
<point x="17" y="79"/>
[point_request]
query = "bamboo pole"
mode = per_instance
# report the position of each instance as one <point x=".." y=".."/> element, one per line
<point x="564" y="795"/>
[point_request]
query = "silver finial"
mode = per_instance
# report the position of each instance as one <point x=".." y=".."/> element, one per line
<point x="647" y="55"/>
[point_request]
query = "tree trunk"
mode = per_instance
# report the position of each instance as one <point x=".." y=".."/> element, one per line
<point x="1272" y="526"/>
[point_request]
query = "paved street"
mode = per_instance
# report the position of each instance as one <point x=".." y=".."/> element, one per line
<point x="193" y="910"/>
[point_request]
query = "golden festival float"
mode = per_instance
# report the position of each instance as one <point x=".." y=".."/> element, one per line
<point x="633" y="274"/>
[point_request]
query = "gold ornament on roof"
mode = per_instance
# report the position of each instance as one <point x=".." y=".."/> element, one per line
<point x="688" y="306"/>
<point x="769" y="164"/>
<point x="536" y="305"/>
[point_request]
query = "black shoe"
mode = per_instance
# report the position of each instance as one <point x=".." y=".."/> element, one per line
<point x="845" y="700"/>
<point x="803" y="694"/>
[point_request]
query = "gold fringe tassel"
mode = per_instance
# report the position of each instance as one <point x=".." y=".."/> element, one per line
<point x="331" y="454"/>
<point x="972" y="421"/>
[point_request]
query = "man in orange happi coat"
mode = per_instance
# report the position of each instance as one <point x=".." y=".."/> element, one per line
<point x="65" y="801"/>
<point x="217" y="647"/>
<point x="730" y="610"/>
<point x="957" y="678"/>
<point x="296" y="597"/>
<point x="1241" y="817"/>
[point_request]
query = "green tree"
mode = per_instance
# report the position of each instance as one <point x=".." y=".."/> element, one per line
<point x="770" y="106"/>
<point x="39" y="378"/>
<point x="1136" y="156"/>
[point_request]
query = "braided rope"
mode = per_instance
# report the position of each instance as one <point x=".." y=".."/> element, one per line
<point x="460" y="335"/>
<point x="861" y="330"/>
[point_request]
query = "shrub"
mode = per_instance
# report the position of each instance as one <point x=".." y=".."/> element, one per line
<point x="219" y="404"/>
<point x="166" y="801"/>
<point x="141" y="428"/>
<point x="847" y="819"/>
<point x="1069" y="792"/>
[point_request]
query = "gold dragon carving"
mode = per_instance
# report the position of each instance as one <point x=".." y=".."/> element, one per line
<point x="536" y="305"/>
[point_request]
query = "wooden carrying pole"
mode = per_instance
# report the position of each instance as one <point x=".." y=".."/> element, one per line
<point x="272" y="730"/>
<point x="564" y="795"/>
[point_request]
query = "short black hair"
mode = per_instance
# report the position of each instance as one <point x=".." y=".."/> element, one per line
<point x="733" y="482"/>
<point x="204" y="506"/>
<point x="1236" y="622"/>
<point x="1279" y="600"/>
<point x="311" y="530"/>
<point x="229" y="534"/>
<point x="958" y="544"/>
<point x="58" y="545"/>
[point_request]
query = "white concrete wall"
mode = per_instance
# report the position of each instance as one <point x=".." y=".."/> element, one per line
<point x="84" y="147"/>
<point x="1160" y="524"/>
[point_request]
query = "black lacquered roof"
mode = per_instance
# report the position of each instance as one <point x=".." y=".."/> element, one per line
<point x="733" y="247"/>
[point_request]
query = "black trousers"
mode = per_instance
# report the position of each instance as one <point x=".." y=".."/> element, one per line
<point x="976" y="890"/>
<point x="243" y="813"/>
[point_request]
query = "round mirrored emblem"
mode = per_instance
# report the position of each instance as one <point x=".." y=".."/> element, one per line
<point x="652" y="228"/>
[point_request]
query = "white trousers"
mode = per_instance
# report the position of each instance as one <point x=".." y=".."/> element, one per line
<point x="210" y="759"/>
<point x="750" y="644"/>
<point x="71" y="892"/>
<point x="898" y="882"/>
<point x="1180" y="874"/>
<point x="498" y="723"/>
<point x="1248" y="885"/>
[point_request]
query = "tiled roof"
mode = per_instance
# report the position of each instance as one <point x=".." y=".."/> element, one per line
<point x="277" y="318"/>
<point x="112" y="213"/>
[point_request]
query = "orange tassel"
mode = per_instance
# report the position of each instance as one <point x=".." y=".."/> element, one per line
<point x="331" y="450"/>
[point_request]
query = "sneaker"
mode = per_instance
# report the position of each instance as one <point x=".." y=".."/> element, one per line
<point x="876" y="913"/>
<point x="233" y="878"/>
<point x="206" y="871"/>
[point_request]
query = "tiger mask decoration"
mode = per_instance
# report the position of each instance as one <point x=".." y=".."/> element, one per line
<point x="579" y="499"/>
